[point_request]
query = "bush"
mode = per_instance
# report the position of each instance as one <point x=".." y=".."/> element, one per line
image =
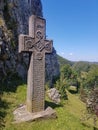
<point x="60" y="85"/>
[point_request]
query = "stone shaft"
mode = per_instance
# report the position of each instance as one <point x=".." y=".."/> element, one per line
<point x="35" y="91"/>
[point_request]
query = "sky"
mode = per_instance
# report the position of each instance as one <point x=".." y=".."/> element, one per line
<point x="73" y="27"/>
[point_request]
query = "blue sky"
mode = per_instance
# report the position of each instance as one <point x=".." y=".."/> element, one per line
<point x="73" y="26"/>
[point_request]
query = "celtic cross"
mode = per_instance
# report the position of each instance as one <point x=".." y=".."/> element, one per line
<point x="36" y="44"/>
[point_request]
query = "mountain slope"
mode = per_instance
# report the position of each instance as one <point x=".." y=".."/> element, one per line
<point x="77" y="65"/>
<point x="62" y="61"/>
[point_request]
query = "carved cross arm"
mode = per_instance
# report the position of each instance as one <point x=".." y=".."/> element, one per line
<point x="48" y="46"/>
<point x="26" y="43"/>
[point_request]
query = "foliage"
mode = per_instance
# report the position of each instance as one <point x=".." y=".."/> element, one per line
<point x="92" y="77"/>
<point x="83" y="95"/>
<point x="47" y="86"/>
<point x="81" y="66"/>
<point x="86" y="73"/>
<point x="60" y="85"/>
<point x="70" y="76"/>
<point x="80" y="74"/>
<point x="66" y="71"/>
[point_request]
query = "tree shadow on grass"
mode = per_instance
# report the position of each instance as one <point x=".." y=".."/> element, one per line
<point x="52" y="104"/>
<point x="3" y="106"/>
<point x="88" y="126"/>
<point x="95" y="128"/>
<point x="85" y="125"/>
<point x="73" y="92"/>
<point x="2" y="122"/>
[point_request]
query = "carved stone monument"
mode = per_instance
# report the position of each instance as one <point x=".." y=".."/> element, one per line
<point x="36" y="45"/>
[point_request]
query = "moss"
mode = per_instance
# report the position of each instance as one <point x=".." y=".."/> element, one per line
<point x="1" y="21"/>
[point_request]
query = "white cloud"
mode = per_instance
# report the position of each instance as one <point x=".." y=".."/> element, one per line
<point x="71" y="54"/>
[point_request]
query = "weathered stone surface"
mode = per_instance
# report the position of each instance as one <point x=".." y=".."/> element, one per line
<point x="21" y="10"/>
<point x="22" y="115"/>
<point x="36" y="44"/>
<point x="14" y="18"/>
<point x="54" y="95"/>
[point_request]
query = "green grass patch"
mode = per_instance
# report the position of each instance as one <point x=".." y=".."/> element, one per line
<point x="69" y="113"/>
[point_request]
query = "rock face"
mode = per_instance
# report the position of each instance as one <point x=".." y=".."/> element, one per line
<point x="14" y="15"/>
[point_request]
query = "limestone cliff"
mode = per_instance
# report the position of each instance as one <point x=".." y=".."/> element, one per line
<point x="14" y="15"/>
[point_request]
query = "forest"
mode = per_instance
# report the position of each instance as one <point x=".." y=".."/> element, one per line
<point x="80" y="74"/>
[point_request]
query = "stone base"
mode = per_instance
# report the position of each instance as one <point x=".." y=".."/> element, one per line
<point x="21" y="115"/>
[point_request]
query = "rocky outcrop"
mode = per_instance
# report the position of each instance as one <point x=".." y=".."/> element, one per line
<point x="54" y="95"/>
<point x="52" y="67"/>
<point x="14" y="15"/>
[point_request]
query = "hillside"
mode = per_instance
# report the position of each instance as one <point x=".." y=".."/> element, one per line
<point x="77" y="65"/>
<point x="68" y="112"/>
<point x="62" y="61"/>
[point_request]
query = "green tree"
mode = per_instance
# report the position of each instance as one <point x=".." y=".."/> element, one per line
<point x="66" y="71"/>
<point x="69" y="75"/>
<point x="81" y="66"/>
<point x="92" y="77"/>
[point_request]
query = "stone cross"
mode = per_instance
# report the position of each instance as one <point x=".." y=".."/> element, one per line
<point x="36" y="44"/>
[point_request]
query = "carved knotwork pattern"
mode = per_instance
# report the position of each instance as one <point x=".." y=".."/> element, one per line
<point x="39" y="45"/>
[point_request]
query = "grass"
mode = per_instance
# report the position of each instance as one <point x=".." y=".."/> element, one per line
<point x="69" y="113"/>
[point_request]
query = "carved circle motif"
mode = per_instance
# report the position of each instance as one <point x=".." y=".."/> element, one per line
<point x="48" y="47"/>
<point x="28" y="43"/>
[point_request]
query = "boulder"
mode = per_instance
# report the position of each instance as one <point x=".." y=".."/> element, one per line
<point x="54" y="95"/>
